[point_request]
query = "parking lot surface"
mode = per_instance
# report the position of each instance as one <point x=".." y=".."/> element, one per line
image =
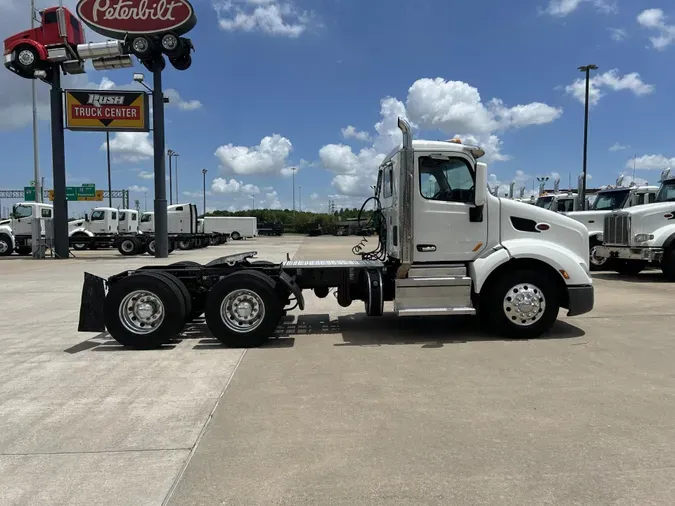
<point x="341" y="409"/>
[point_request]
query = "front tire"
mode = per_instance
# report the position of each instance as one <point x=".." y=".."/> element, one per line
<point x="667" y="264"/>
<point x="5" y="245"/>
<point x="243" y="309"/>
<point x="80" y="246"/>
<point x="521" y="304"/>
<point x="27" y="60"/>
<point x="144" y="311"/>
<point x="595" y="262"/>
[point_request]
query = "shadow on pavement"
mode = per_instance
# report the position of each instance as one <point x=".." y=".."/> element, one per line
<point x="357" y="330"/>
<point x="643" y="277"/>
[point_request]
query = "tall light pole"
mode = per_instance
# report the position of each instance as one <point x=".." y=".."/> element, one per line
<point x="587" y="70"/>
<point x="300" y="198"/>
<point x="294" y="169"/>
<point x="107" y="145"/>
<point x="36" y="228"/>
<point x="176" y="155"/>
<point x="170" y="154"/>
<point x="204" y="171"/>
<point x="145" y="203"/>
<point x="253" y="198"/>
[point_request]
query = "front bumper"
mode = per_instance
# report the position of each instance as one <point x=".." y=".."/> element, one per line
<point x="581" y="299"/>
<point x="626" y="253"/>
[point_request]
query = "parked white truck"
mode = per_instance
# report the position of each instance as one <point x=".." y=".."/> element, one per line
<point x="16" y="233"/>
<point x="239" y="227"/>
<point x="633" y="238"/>
<point x="608" y="200"/>
<point x="182" y="222"/>
<point x="454" y="250"/>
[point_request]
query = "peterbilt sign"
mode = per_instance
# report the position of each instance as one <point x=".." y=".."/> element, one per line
<point x="117" y="18"/>
<point x="113" y="111"/>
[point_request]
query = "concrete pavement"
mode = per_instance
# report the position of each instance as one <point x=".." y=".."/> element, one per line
<point x="342" y="409"/>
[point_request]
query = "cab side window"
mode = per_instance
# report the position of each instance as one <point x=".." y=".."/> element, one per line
<point x="388" y="182"/>
<point x="114" y="215"/>
<point x="448" y="180"/>
<point x="46" y="213"/>
<point x="568" y="206"/>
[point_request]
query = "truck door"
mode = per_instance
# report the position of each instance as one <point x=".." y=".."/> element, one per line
<point x="22" y="219"/>
<point x="443" y="226"/>
<point x="98" y="222"/>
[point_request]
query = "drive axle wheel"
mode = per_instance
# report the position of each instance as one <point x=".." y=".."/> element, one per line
<point x="521" y="304"/>
<point x="5" y="245"/>
<point x="144" y="311"/>
<point x="129" y="247"/>
<point x="243" y="309"/>
<point x="596" y="263"/>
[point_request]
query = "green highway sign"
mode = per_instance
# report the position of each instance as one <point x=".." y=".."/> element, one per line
<point x="86" y="192"/>
<point x="29" y="193"/>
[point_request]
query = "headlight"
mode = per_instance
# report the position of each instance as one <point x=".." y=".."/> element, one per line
<point x="644" y="237"/>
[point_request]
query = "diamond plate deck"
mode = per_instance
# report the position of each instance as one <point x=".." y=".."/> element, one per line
<point x="322" y="264"/>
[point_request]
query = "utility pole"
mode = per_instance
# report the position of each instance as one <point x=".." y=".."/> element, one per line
<point x="204" y="171"/>
<point x="294" y="169"/>
<point x="177" y="194"/>
<point x="170" y="154"/>
<point x="107" y="143"/>
<point x="253" y="198"/>
<point x="300" y="198"/>
<point x="587" y="69"/>
<point x="36" y="228"/>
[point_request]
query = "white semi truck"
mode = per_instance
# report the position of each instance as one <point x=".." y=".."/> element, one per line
<point x="184" y="224"/>
<point x="238" y="227"/>
<point x="16" y="233"/>
<point x="633" y="238"/>
<point x="608" y="200"/>
<point x="445" y="249"/>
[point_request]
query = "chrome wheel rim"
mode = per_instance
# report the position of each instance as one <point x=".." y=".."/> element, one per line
<point x="141" y="312"/>
<point x="242" y="311"/>
<point x="524" y="304"/>
<point x="127" y="246"/>
<point x="595" y="259"/>
<point x="26" y="58"/>
<point x="140" y="45"/>
<point x="170" y="42"/>
<point x="4" y="247"/>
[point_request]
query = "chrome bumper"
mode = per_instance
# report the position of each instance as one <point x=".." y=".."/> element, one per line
<point x="626" y="253"/>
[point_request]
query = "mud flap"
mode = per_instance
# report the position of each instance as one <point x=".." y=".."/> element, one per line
<point x="91" y="304"/>
<point x="289" y="282"/>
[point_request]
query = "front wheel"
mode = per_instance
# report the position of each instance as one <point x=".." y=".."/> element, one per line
<point x="667" y="264"/>
<point x="521" y="304"/>
<point x="243" y="309"/>
<point x="27" y="59"/>
<point x="630" y="267"/>
<point x="5" y="245"/>
<point x="596" y="263"/>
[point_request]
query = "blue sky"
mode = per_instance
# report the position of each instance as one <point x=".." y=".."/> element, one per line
<point x="318" y="85"/>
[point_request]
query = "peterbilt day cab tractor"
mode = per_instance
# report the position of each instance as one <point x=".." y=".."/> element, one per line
<point x="455" y="250"/>
<point x="636" y="237"/>
<point x="608" y="200"/>
<point x="16" y="234"/>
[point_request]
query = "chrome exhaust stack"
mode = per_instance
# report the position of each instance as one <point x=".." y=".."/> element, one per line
<point x="407" y="184"/>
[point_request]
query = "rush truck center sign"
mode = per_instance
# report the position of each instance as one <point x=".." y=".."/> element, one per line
<point x="112" y="111"/>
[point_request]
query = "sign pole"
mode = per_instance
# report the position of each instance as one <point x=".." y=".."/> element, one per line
<point x="61" y="243"/>
<point x="107" y="144"/>
<point x="161" y="228"/>
<point x="36" y="227"/>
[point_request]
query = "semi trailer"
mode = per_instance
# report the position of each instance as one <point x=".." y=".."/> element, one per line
<point x="237" y="227"/>
<point x="454" y="250"/>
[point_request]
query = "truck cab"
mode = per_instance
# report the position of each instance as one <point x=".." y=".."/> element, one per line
<point x="635" y="237"/>
<point x="457" y="246"/>
<point x="102" y="222"/>
<point x="182" y="219"/>
<point x="15" y="233"/>
<point x="607" y="200"/>
<point x="55" y="40"/>
<point x="146" y="224"/>
<point x="128" y="221"/>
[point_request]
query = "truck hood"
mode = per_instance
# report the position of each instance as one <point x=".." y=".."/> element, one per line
<point x="656" y="219"/>
<point x="564" y="231"/>
<point x="592" y="220"/>
<point x="26" y="34"/>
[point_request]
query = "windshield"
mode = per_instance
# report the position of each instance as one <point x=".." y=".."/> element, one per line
<point x="97" y="215"/>
<point x="23" y="211"/>
<point x="545" y="202"/>
<point x="666" y="192"/>
<point x="146" y="218"/>
<point x="609" y="201"/>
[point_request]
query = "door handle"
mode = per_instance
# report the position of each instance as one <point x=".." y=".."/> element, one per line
<point x="426" y="248"/>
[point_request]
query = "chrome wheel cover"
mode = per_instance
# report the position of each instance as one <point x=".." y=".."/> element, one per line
<point x="26" y="57"/>
<point x="141" y="312"/>
<point x="596" y="260"/>
<point x="242" y="311"/>
<point x="524" y="304"/>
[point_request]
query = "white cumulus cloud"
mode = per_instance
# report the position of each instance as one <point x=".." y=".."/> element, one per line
<point x="175" y="100"/>
<point x="138" y="189"/>
<point x="618" y="147"/>
<point x="221" y="185"/>
<point x="130" y="146"/>
<point x="268" y="157"/>
<point x="651" y="162"/>
<point x="562" y="8"/>
<point x="609" y="81"/>
<point x="272" y="17"/>
<point x="655" y="20"/>
<point x="350" y="132"/>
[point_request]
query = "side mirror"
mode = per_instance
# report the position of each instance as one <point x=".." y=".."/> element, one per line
<point x="86" y="217"/>
<point x="480" y="190"/>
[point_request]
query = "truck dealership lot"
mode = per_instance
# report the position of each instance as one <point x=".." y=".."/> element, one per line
<point x="342" y="409"/>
